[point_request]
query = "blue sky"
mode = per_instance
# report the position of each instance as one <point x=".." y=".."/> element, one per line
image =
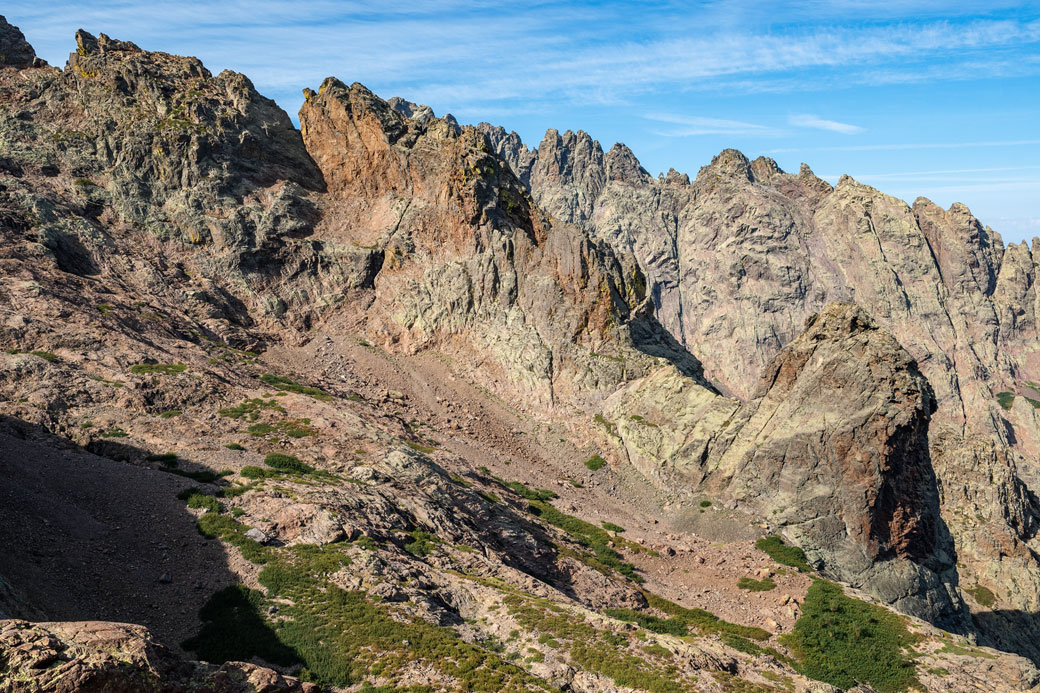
<point x="916" y="98"/>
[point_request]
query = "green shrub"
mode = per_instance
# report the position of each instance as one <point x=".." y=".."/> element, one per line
<point x="250" y="409"/>
<point x="982" y="595"/>
<point x="784" y="554"/>
<point x="204" y="476"/>
<point x="595" y="463"/>
<point x="422" y="543"/>
<point x="158" y="368"/>
<point x="420" y="447"/>
<point x="234" y="446"/>
<point x="705" y="503"/>
<point x="253" y="472"/>
<point x="169" y="459"/>
<point x="211" y="504"/>
<point x="287" y="463"/>
<point x="846" y="642"/>
<point x="753" y="585"/>
<point x="46" y="356"/>
<point x="611" y="527"/>
<point x="104" y="308"/>
<point x="170" y="413"/>
<point x="531" y="494"/>
<point x="296" y="428"/>
<point x="282" y="383"/>
<point x="114" y="432"/>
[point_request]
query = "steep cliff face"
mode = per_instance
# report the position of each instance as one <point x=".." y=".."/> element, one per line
<point x="740" y="258"/>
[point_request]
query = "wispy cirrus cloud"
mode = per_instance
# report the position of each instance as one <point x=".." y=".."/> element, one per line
<point x="806" y="120"/>
<point x="691" y="126"/>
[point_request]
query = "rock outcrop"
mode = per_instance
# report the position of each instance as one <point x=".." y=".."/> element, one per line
<point x="15" y="51"/>
<point x="72" y="657"/>
<point x="737" y="260"/>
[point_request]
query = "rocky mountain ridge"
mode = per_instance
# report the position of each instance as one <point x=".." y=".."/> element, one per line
<point x="358" y="351"/>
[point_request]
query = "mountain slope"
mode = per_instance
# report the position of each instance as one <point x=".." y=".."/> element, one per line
<point x="399" y="402"/>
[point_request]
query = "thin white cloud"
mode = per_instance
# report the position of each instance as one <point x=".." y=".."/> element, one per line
<point x="807" y="120"/>
<point x="691" y="126"/>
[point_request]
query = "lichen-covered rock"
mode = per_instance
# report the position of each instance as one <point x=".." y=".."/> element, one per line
<point x="77" y="657"/>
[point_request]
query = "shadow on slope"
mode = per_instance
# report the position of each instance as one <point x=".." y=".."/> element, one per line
<point x="86" y="537"/>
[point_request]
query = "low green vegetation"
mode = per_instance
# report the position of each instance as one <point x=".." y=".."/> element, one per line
<point x="170" y="413"/>
<point x="420" y="447"/>
<point x="251" y="409"/>
<point x="234" y="446"/>
<point x="983" y="595"/>
<point x="104" y="308"/>
<point x="253" y="472"/>
<point x="287" y="463"/>
<point x="114" y="432"/>
<point x="46" y="356"/>
<point x="784" y="554"/>
<point x="341" y="638"/>
<point x="680" y="620"/>
<point x="422" y="543"/>
<point x="294" y="428"/>
<point x="753" y="585"/>
<point x="603" y="556"/>
<point x="158" y="368"/>
<point x="168" y="459"/>
<point x="282" y="383"/>
<point x="595" y="463"/>
<point x="209" y="503"/>
<point x="1006" y="399"/>
<point x="611" y="527"/>
<point x="531" y="494"/>
<point x="705" y="503"/>
<point x="601" y="651"/>
<point x="846" y="642"/>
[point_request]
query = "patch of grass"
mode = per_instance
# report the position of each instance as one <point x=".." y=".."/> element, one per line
<point x="342" y="638"/>
<point x="104" y="308"/>
<point x="253" y="472"/>
<point x="203" y="476"/>
<point x="588" y="535"/>
<point x="114" y="432"/>
<point x="218" y="526"/>
<point x="422" y="543"/>
<point x="460" y="481"/>
<point x="753" y="585"/>
<point x="168" y="459"/>
<point x="158" y="368"/>
<point x="287" y="463"/>
<point x="705" y="503"/>
<point x="170" y="413"/>
<point x="1006" y="399"/>
<point x="46" y="356"/>
<point x="845" y="642"/>
<point x="784" y="554"/>
<point x="531" y="494"/>
<point x="983" y="595"/>
<point x="489" y="497"/>
<point x="703" y="620"/>
<point x="250" y="409"/>
<point x="420" y="447"/>
<point x="234" y="446"/>
<point x="595" y="463"/>
<point x="295" y="428"/>
<point x="211" y="504"/>
<point x="611" y="527"/>
<point x="282" y="383"/>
